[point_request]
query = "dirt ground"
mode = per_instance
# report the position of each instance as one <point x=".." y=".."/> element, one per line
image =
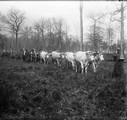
<point x="33" y="91"/>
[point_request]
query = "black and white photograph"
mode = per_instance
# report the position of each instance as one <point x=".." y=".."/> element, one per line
<point x="63" y="60"/>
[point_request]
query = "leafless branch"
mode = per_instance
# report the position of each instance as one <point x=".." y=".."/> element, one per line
<point x="116" y="12"/>
<point x="125" y="7"/>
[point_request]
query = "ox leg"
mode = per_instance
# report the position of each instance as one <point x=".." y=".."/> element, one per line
<point x="68" y="64"/>
<point x="97" y="64"/>
<point x="44" y="60"/>
<point x="58" y="62"/>
<point x="76" y="68"/>
<point x="86" y="67"/>
<point x="53" y="61"/>
<point x="40" y="60"/>
<point x="35" y="59"/>
<point x="47" y="61"/>
<point x="21" y="58"/>
<point x="82" y="67"/>
<point x="31" y="58"/>
<point x="72" y="64"/>
<point x="94" y="67"/>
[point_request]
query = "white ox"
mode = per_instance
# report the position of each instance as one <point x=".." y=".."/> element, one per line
<point x="22" y="53"/>
<point x="84" y="58"/>
<point x="56" y="56"/>
<point x="98" y="57"/>
<point x="70" y="57"/>
<point x="43" y="56"/>
<point x="33" y="55"/>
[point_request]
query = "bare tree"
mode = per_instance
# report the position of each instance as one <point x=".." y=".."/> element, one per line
<point x="95" y="34"/>
<point x="14" y="20"/>
<point x="2" y="26"/>
<point x="67" y="40"/>
<point x="110" y="34"/>
<point x="60" y="32"/>
<point x="50" y="34"/>
<point x="42" y="28"/>
<point x="26" y="36"/>
<point x="121" y="20"/>
<point x="3" y="42"/>
<point x="37" y="28"/>
<point x="81" y="24"/>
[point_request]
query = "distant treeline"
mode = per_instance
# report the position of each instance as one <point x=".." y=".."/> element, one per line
<point x="50" y="34"/>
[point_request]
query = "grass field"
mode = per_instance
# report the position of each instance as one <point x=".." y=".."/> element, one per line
<point x="33" y="91"/>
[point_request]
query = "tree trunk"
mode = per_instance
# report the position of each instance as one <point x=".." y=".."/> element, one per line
<point x="109" y="44"/>
<point x="94" y="39"/>
<point x="122" y="31"/>
<point x="38" y="46"/>
<point x="60" y="42"/>
<point x="53" y="43"/>
<point x="16" y="42"/>
<point x="43" y="39"/>
<point x="81" y="25"/>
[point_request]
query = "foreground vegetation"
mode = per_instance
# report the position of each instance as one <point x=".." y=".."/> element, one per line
<point x="32" y="91"/>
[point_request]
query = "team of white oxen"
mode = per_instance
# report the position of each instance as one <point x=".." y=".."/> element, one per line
<point x="80" y="58"/>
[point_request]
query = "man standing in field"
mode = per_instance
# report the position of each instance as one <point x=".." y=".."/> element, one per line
<point x="118" y="67"/>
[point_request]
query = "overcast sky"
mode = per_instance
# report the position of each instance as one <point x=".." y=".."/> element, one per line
<point x="68" y="10"/>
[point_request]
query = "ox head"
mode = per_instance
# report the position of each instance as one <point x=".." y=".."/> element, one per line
<point x="48" y="55"/>
<point x="101" y="56"/>
<point x="62" y="55"/>
<point x="34" y="49"/>
<point x="31" y="52"/>
<point x="23" y="50"/>
<point x="92" y="57"/>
